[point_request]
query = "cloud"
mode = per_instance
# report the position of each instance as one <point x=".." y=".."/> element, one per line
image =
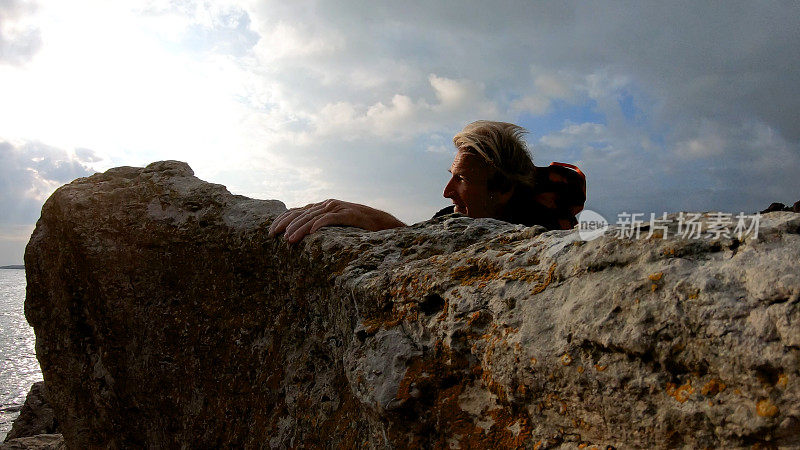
<point x="29" y="173"/>
<point x="19" y="40"/>
<point x="403" y="117"/>
<point x="715" y="58"/>
<point x="219" y="27"/>
<point x="583" y="134"/>
<point x="730" y="62"/>
<point x="666" y="105"/>
<point x="727" y="168"/>
<point x="548" y="86"/>
<point x="86" y="155"/>
<point x="12" y="243"/>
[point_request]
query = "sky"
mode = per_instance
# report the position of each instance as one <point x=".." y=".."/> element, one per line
<point x="666" y="106"/>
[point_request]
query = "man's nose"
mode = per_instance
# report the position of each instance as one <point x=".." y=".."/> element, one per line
<point x="448" y="189"/>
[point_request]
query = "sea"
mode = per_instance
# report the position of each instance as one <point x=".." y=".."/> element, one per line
<point x="19" y="368"/>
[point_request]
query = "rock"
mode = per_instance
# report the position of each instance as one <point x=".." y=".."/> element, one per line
<point x="166" y="317"/>
<point x="773" y="207"/>
<point x="38" y="442"/>
<point x="35" y="417"/>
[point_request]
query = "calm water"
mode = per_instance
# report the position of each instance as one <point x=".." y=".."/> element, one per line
<point x="19" y="368"/>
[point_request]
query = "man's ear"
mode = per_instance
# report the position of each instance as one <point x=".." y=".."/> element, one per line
<point x="502" y="198"/>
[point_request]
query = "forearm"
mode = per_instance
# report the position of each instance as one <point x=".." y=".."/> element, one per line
<point x="299" y="222"/>
<point x="381" y="220"/>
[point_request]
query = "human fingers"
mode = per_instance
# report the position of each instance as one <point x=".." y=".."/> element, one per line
<point x="309" y="225"/>
<point x="333" y="215"/>
<point x="279" y="224"/>
<point x="300" y="232"/>
<point x="308" y="215"/>
<point x="332" y="218"/>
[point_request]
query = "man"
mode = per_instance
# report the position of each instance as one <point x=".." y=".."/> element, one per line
<point x="492" y="176"/>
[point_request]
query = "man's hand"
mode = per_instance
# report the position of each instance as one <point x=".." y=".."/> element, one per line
<point x="298" y="222"/>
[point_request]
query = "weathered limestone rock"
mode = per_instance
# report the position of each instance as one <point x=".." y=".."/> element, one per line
<point x="36" y="416"/>
<point x="166" y="317"/>
<point x="38" y="442"/>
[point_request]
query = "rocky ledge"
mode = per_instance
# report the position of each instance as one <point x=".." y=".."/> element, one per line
<point x="166" y="317"/>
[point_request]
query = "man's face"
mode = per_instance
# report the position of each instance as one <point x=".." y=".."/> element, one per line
<point x="467" y="187"/>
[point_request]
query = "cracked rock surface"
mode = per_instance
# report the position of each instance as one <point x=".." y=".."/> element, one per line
<point x="166" y="317"/>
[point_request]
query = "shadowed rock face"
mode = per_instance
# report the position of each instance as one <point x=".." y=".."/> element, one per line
<point x="36" y="416"/>
<point x="166" y="317"/>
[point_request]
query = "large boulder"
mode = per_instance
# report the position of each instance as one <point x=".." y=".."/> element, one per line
<point x="166" y="317"/>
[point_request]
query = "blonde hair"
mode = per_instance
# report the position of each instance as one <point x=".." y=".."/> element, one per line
<point x="502" y="146"/>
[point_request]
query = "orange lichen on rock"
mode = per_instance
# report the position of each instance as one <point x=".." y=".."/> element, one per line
<point x="493" y="386"/>
<point x="600" y="368"/>
<point x="522" y="274"/>
<point x="765" y="408"/>
<point x="410" y="286"/>
<point x="543" y="285"/>
<point x="480" y="272"/>
<point x="397" y="314"/>
<point x="479" y="319"/>
<point x="407" y="293"/>
<point x="475" y="270"/>
<point x="783" y="380"/>
<point x="446" y="308"/>
<point x="507" y="429"/>
<point x="656" y="276"/>
<point x="566" y="359"/>
<point x="712" y="388"/>
<point x="681" y="394"/>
